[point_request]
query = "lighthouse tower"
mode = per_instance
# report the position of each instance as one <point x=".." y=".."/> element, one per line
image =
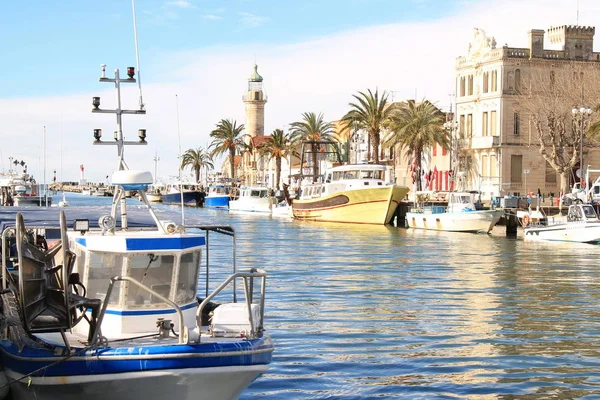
<point x="255" y="100"/>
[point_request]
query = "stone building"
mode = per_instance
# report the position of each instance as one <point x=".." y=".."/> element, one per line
<point x="500" y="148"/>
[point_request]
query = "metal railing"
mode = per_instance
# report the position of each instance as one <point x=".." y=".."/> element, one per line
<point x="248" y="291"/>
<point x="113" y="280"/>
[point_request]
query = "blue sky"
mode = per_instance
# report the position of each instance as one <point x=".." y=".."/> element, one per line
<point x="312" y="54"/>
<point x="55" y="45"/>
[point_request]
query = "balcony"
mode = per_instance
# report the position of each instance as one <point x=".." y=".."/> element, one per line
<point x="484" y="142"/>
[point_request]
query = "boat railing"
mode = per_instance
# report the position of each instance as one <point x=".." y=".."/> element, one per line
<point x="97" y="332"/>
<point x="248" y="278"/>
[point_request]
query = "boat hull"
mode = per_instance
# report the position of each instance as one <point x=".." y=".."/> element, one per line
<point x="193" y="199"/>
<point x="154" y="197"/>
<point x="204" y="371"/>
<point x="216" y="201"/>
<point x="359" y="206"/>
<point x="579" y="232"/>
<point x="468" y="221"/>
<point x="251" y="205"/>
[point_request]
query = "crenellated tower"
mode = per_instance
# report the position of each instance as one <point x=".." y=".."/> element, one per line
<point x="576" y="41"/>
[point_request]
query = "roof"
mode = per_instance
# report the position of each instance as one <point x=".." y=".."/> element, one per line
<point x="258" y="140"/>
<point x="255" y="77"/>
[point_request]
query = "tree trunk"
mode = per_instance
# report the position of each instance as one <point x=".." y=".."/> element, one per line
<point x="368" y="147"/>
<point x="314" y="161"/>
<point x="420" y="171"/>
<point x="197" y="170"/>
<point x="376" y="147"/>
<point x="232" y="164"/>
<point x="277" y="172"/>
<point x="564" y="182"/>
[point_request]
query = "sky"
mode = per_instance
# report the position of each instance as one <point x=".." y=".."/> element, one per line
<point x="196" y="56"/>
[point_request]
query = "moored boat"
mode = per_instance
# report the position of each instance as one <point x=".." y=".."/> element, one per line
<point x="110" y="311"/>
<point x="253" y="199"/>
<point x="458" y="215"/>
<point x="218" y="196"/>
<point x="354" y="193"/>
<point x="192" y="196"/>
<point x="581" y="225"/>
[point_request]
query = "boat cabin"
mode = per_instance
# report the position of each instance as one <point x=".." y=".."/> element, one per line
<point x="346" y="177"/>
<point x="219" y="190"/>
<point x="582" y="212"/>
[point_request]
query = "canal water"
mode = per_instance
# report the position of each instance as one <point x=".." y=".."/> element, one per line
<point x="362" y="312"/>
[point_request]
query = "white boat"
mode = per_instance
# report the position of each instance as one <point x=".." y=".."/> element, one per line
<point x="252" y="199"/>
<point x="109" y="311"/>
<point x="63" y="202"/>
<point x="86" y="191"/>
<point x="581" y="225"/>
<point x="459" y="215"/>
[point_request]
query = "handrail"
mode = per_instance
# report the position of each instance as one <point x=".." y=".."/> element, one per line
<point x="182" y="328"/>
<point x="253" y="273"/>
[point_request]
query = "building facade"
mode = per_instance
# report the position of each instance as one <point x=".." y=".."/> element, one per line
<point x="499" y="149"/>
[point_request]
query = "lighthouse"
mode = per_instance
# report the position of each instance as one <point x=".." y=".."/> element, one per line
<point x="254" y="100"/>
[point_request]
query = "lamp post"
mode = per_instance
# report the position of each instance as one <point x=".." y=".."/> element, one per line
<point x="451" y="127"/>
<point x="581" y="112"/>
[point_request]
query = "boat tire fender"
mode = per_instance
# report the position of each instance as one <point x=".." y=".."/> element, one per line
<point x="525" y="220"/>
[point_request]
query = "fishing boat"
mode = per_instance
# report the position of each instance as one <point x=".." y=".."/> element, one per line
<point x="192" y="195"/>
<point x="458" y="215"/>
<point x="353" y="193"/>
<point x="254" y="199"/>
<point x="581" y="224"/>
<point x="218" y="196"/>
<point x="108" y="309"/>
<point x="155" y="192"/>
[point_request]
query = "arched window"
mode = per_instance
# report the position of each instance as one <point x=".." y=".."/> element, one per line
<point x="510" y="78"/>
<point x="518" y="80"/>
<point x="462" y="86"/>
<point x="486" y="76"/>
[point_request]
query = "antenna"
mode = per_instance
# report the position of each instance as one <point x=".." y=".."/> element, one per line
<point x="137" y="54"/>
<point x="179" y="162"/>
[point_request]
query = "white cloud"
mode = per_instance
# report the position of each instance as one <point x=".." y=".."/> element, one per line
<point x="180" y="4"/>
<point x="249" y="20"/>
<point x="318" y="75"/>
<point x="211" y="17"/>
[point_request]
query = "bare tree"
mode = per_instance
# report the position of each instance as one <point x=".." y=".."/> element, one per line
<point x="549" y="98"/>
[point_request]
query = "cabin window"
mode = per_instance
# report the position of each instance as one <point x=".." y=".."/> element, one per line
<point x="337" y="175"/>
<point x="104" y="266"/>
<point x="350" y="174"/>
<point x="153" y="271"/>
<point x="187" y="280"/>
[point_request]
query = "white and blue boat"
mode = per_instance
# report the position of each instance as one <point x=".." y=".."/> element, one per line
<point x="109" y="310"/>
<point x="218" y="196"/>
<point x="253" y="199"/>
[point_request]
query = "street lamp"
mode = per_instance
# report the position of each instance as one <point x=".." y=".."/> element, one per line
<point x="581" y="112"/>
<point x="451" y="127"/>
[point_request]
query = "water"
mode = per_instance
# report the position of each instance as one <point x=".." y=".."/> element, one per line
<point x="381" y="312"/>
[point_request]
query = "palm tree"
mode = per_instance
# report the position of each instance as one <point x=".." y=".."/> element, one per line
<point x="196" y="159"/>
<point x="417" y="127"/>
<point x="227" y="139"/>
<point x="312" y="128"/>
<point x="278" y="146"/>
<point x="371" y="113"/>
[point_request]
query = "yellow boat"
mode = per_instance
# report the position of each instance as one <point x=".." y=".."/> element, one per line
<point x="354" y="194"/>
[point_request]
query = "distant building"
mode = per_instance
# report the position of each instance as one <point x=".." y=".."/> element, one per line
<point x="501" y="150"/>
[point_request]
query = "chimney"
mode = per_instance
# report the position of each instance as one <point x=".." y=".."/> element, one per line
<point x="536" y="43"/>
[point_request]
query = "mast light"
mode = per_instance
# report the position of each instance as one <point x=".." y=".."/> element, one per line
<point x="97" y="134"/>
<point x="96" y="102"/>
<point x="130" y="72"/>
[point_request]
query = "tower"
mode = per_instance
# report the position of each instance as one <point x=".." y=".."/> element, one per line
<point x="255" y="100"/>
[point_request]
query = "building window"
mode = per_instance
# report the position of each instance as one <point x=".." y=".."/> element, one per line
<point x="462" y="127"/>
<point x="486" y="76"/>
<point x="494" y="81"/>
<point x="256" y="96"/>
<point x="493" y="123"/>
<point x="462" y="86"/>
<point x="484" y="124"/>
<point x="510" y="80"/>
<point x="484" y="167"/>
<point x="493" y="166"/>
<point x="516" y="169"/>
<point x="518" y="80"/>
<point x="517" y="128"/>
<point x="550" y="173"/>
<point x="469" y="125"/>
<point x="470" y="85"/>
